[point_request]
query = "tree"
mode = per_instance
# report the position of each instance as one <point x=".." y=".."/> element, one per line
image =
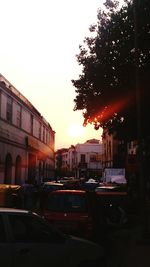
<point x="106" y="89"/>
<point x="113" y="89"/>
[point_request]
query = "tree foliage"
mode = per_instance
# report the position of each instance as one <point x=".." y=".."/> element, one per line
<point x="115" y="64"/>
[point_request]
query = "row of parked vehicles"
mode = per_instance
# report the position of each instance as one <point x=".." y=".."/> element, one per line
<point x="70" y="221"/>
<point x="28" y="239"/>
<point x="72" y="207"/>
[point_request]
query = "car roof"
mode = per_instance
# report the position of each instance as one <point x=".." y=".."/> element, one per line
<point x="9" y="186"/>
<point x="52" y="183"/>
<point x="68" y="191"/>
<point x="14" y="210"/>
<point x="107" y="187"/>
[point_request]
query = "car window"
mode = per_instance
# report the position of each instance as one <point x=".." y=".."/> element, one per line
<point x="2" y="231"/>
<point x="30" y="229"/>
<point x="67" y="203"/>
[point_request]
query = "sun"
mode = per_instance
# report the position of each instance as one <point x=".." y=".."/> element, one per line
<point x="76" y="130"/>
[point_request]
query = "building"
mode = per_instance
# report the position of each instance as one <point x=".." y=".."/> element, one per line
<point x="26" y="139"/>
<point x="120" y="154"/>
<point x="114" y="153"/>
<point x="81" y="160"/>
<point x="61" y="158"/>
<point x="88" y="159"/>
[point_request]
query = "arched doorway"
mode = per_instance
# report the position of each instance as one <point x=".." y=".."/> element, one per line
<point x="8" y="169"/>
<point x="18" y="170"/>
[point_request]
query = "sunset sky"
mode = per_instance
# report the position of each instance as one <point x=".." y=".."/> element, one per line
<point x="39" y="41"/>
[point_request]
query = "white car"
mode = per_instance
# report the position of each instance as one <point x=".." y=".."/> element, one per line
<point x="28" y="240"/>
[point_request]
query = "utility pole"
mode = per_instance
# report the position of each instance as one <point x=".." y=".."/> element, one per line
<point x="144" y="208"/>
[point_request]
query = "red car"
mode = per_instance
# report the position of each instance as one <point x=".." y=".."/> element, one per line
<point x="74" y="212"/>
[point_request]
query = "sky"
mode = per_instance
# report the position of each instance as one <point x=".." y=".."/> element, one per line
<point x="39" y="41"/>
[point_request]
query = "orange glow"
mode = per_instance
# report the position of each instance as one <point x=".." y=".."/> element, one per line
<point x="112" y="108"/>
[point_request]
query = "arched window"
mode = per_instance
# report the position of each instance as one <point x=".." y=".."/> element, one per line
<point x="18" y="170"/>
<point x="8" y="169"/>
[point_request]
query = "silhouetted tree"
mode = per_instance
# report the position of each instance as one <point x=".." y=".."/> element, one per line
<point x="113" y="89"/>
<point x="106" y="88"/>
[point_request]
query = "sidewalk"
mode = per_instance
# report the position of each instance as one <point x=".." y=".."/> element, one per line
<point x="128" y="247"/>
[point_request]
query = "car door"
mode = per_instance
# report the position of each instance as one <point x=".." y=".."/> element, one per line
<point x="35" y="243"/>
<point x="5" y="245"/>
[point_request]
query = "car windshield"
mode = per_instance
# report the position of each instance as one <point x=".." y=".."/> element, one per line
<point x="67" y="203"/>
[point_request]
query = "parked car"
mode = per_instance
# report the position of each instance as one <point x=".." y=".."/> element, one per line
<point x="70" y="182"/>
<point x="115" y="202"/>
<point x="74" y="212"/>
<point x="111" y="187"/>
<point x="50" y="186"/>
<point x="9" y="195"/>
<point x="26" y="240"/>
<point x="90" y="185"/>
<point x="29" y="196"/>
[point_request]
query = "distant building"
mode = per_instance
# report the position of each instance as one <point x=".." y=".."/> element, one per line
<point x="114" y="153"/>
<point x="26" y="139"/>
<point x="118" y="153"/>
<point x="61" y="157"/>
<point x="88" y="159"/>
<point x="81" y="160"/>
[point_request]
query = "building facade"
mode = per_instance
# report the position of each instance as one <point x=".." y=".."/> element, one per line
<point x="26" y="139"/>
<point x="114" y="153"/>
<point x="120" y="154"/>
<point x="88" y="159"/>
<point x="81" y="160"/>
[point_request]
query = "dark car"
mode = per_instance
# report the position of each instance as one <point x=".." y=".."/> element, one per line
<point x="26" y="240"/>
<point x="50" y="186"/>
<point x="28" y="196"/>
<point x="114" y="200"/>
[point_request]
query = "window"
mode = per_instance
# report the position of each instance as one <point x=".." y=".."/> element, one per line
<point x="9" y="109"/>
<point x="67" y="203"/>
<point x="43" y="134"/>
<point x="83" y="158"/>
<point x="31" y="229"/>
<point x="40" y="131"/>
<point x="31" y="124"/>
<point x="46" y="137"/>
<point x="18" y="119"/>
<point x="93" y="158"/>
